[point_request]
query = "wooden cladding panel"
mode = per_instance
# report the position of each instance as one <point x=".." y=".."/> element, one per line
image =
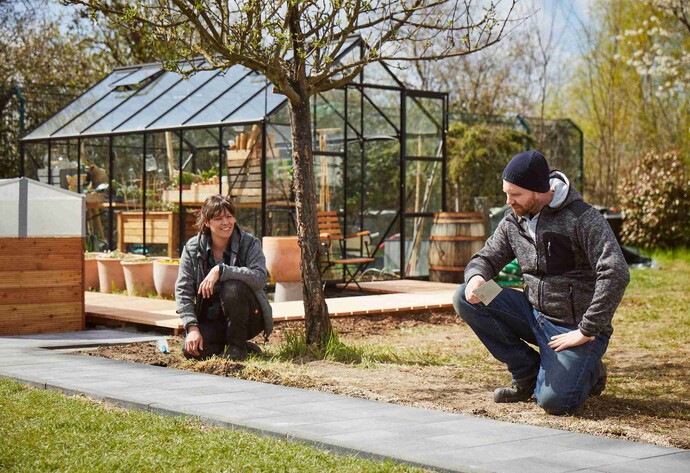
<point x="41" y="285"/>
<point x="26" y="319"/>
<point x="45" y="278"/>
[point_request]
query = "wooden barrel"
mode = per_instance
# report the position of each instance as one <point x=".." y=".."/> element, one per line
<point x="455" y="237"/>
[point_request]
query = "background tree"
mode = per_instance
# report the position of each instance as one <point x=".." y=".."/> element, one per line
<point x="50" y="55"/>
<point x="616" y="101"/>
<point x="45" y="64"/>
<point x="294" y="44"/>
<point x="477" y="158"/>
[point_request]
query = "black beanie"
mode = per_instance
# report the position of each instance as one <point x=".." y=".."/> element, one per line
<point x="528" y="170"/>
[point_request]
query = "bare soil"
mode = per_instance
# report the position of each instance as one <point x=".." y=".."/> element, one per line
<point x="646" y="398"/>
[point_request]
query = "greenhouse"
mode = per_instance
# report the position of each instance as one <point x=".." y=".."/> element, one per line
<point x="147" y="146"/>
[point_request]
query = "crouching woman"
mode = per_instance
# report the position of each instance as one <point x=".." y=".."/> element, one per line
<point x="219" y="291"/>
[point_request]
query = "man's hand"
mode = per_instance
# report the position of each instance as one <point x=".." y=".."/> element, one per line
<point x="569" y="340"/>
<point x="474" y="283"/>
<point x="193" y="342"/>
<point x="206" y="286"/>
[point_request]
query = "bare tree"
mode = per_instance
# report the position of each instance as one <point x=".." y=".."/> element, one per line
<point x="295" y="43"/>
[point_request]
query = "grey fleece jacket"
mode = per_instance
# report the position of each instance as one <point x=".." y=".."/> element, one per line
<point x="574" y="269"/>
<point x="247" y="264"/>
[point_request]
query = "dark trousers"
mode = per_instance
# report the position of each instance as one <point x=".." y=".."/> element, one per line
<point x="238" y="320"/>
<point x="509" y="325"/>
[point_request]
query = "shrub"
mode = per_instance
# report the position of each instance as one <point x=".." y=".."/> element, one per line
<point x="656" y="203"/>
<point x="477" y="156"/>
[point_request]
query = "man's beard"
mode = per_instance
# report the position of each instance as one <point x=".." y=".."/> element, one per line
<point x="521" y="211"/>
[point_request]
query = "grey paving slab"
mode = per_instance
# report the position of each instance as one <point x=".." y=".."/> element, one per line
<point x="435" y="439"/>
<point x="555" y="462"/>
<point x="609" y="445"/>
<point x="672" y="463"/>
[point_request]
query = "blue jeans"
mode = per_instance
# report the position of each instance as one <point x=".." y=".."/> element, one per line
<point x="509" y="324"/>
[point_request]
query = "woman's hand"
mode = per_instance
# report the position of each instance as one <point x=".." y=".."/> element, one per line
<point x="568" y="340"/>
<point x="193" y="342"/>
<point x="206" y="286"/>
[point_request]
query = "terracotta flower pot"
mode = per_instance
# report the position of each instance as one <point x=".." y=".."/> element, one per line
<point x="164" y="277"/>
<point x="91" y="270"/>
<point x="111" y="278"/>
<point x="282" y="258"/>
<point x="138" y="277"/>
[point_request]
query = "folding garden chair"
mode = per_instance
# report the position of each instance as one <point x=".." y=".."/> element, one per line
<point x="337" y="255"/>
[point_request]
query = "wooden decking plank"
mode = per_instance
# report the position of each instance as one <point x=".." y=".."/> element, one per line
<point x="396" y="286"/>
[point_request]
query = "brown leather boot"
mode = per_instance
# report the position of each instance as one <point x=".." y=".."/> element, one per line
<point x="518" y="392"/>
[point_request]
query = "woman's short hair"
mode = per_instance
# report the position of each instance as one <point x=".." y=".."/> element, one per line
<point x="213" y="206"/>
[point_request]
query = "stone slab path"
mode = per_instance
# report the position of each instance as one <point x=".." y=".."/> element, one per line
<point x="433" y="439"/>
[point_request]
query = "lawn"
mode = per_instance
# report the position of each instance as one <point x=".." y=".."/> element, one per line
<point x="47" y="431"/>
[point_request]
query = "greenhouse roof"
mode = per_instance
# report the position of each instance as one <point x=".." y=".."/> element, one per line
<point x="147" y="98"/>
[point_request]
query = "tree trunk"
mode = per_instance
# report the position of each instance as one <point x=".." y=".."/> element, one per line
<point x="316" y="318"/>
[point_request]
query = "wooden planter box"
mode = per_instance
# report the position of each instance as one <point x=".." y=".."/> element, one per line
<point x="41" y="285"/>
<point x="161" y="228"/>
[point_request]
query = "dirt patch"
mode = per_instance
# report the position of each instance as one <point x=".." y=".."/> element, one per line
<point x="444" y="367"/>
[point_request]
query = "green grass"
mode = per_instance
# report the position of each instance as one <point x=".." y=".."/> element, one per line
<point x="294" y="347"/>
<point x="48" y="431"/>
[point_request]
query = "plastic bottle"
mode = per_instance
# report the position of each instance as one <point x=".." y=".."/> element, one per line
<point x="163" y="346"/>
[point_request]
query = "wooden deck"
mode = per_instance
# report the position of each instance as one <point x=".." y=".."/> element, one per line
<point x="124" y="310"/>
<point x="398" y="286"/>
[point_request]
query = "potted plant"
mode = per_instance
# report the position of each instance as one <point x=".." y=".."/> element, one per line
<point x="111" y="278"/>
<point x="91" y="269"/>
<point x="164" y="276"/>
<point x="138" y="274"/>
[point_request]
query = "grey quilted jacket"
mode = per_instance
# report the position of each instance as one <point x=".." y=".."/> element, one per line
<point x="575" y="271"/>
<point x="247" y="264"/>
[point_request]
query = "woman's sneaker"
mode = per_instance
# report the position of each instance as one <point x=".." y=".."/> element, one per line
<point x="235" y="353"/>
<point x="253" y="348"/>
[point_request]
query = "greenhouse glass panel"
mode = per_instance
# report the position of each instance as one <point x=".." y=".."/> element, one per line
<point x="159" y="107"/>
<point x="160" y="167"/>
<point x="280" y="217"/>
<point x="375" y="73"/>
<point x="244" y="157"/>
<point x="186" y="112"/>
<point x="258" y="107"/>
<point x="137" y="102"/>
<point x="423" y="186"/>
<point x="424" y="126"/>
<point x="417" y="233"/>
<point x="354" y="112"/>
<point x="382" y="175"/>
<point x="94" y="113"/>
<point x="64" y="165"/>
<point x="137" y="77"/>
<point x="75" y="108"/>
<point x="36" y="161"/>
<point x="222" y="109"/>
<point x="381" y="113"/>
<point x="329" y="182"/>
<point x="329" y="121"/>
<point x="128" y="151"/>
<point x="354" y="195"/>
<point x="94" y="166"/>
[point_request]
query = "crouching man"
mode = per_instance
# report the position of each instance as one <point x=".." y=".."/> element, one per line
<point x="219" y="289"/>
<point x="575" y="276"/>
